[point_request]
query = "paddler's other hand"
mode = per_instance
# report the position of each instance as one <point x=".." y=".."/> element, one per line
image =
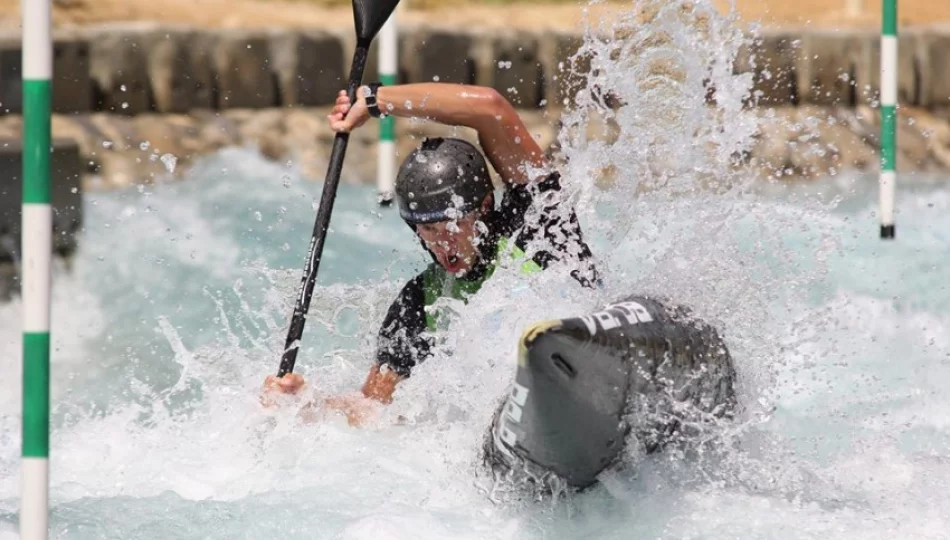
<point x="290" y="383"/>
<point x="357" y="407"/>
<point x="346" y="118"/>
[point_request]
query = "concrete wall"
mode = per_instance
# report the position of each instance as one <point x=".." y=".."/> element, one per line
<point x="130" y="69"/>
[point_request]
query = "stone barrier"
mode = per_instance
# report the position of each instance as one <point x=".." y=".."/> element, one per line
<point x="180" y="78"/>
<point x="771" y="59"/>
<point x="826" y="67"/>
<point x="933" y="73"/>
<point x="65" y="178"/>
<point x="308" y="67"/>
<point x="133" y="68"/>
<point x="118" y="68"/>
<point x="72" y="82"/>
<point x="145" y="100"/>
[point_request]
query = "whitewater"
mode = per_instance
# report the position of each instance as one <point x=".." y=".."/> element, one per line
<point x="175" y="309"/>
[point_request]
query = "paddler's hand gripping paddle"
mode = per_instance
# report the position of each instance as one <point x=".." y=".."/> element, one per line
<point x="369" y="16"/>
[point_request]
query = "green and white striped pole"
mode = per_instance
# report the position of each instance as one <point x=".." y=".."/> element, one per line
<point x="36" y="240"/>
<point x="888" y="175"/>
<point x="386" y="160"/>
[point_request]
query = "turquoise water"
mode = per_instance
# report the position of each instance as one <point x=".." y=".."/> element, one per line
<point x="176" y="308"/>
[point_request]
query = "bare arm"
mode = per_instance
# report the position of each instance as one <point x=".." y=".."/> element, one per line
<point x="501" y="132"/>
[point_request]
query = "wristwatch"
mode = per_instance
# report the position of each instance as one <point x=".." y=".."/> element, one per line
<point x="369" y="92"/>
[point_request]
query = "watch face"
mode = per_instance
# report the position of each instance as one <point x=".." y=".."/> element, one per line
<point x="367" y="92"/>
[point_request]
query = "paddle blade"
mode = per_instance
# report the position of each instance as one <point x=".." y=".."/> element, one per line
<point x="371" y="15"/>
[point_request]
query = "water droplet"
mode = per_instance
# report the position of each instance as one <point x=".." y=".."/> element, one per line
<point x="169" y="161"/>
<point x="258" y="216"/>
<point x="125" y="104"/>
<point x="286" y="180"/>
<point x="435" y="78"/>
<point x="144" y="146"/>
<point x="74" y="190"/>
<point x="107" y="144"/>
<point x="123" y="88"/>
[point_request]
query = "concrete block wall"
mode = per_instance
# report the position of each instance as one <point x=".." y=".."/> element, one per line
<point x="130" y="69"/>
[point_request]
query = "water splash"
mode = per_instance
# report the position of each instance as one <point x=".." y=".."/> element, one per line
<point x="166" y="340"/>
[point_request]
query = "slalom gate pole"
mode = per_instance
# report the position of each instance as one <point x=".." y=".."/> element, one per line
<point x="386" y="148"/>
<point x="888" y="171"/>
<point x="36" y="239"/>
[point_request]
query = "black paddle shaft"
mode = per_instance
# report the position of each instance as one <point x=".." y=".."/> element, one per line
<point x="315" y="253"/>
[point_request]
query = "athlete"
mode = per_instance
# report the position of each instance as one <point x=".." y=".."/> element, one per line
<point x="444" y="192"/>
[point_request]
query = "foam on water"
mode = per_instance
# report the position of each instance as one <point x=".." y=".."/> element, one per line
<point x="176" y="309"/>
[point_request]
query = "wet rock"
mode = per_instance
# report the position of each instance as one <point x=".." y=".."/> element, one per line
<point x="852" y="146"/>
<point x="216" y="131"/>
<point x="913" y="146"/>
<point x="771" y="152"/>
<point x="157" y="135"/>
<point x="936" y="130"/>
<point x="66" y="127"/>
<point x="124" y="168"/>
<point x="266" y="131"/>
<point x="811" y="154"/>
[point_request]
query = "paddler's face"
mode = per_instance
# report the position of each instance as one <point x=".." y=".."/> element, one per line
<point x="454" y="243"/>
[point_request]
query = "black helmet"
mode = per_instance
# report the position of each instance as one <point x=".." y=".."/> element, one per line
<point x="443" y="179"/>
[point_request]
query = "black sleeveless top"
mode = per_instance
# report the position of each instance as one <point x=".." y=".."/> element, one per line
<point x="402" y="342"/>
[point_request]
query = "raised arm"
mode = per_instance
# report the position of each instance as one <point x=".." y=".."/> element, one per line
<point x="502" y="134"/>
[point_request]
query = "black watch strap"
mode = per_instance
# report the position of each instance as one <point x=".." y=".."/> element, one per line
<point x="371" y="103"/>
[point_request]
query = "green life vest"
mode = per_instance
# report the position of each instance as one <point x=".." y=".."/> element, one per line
<point x="438" y="283"/>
